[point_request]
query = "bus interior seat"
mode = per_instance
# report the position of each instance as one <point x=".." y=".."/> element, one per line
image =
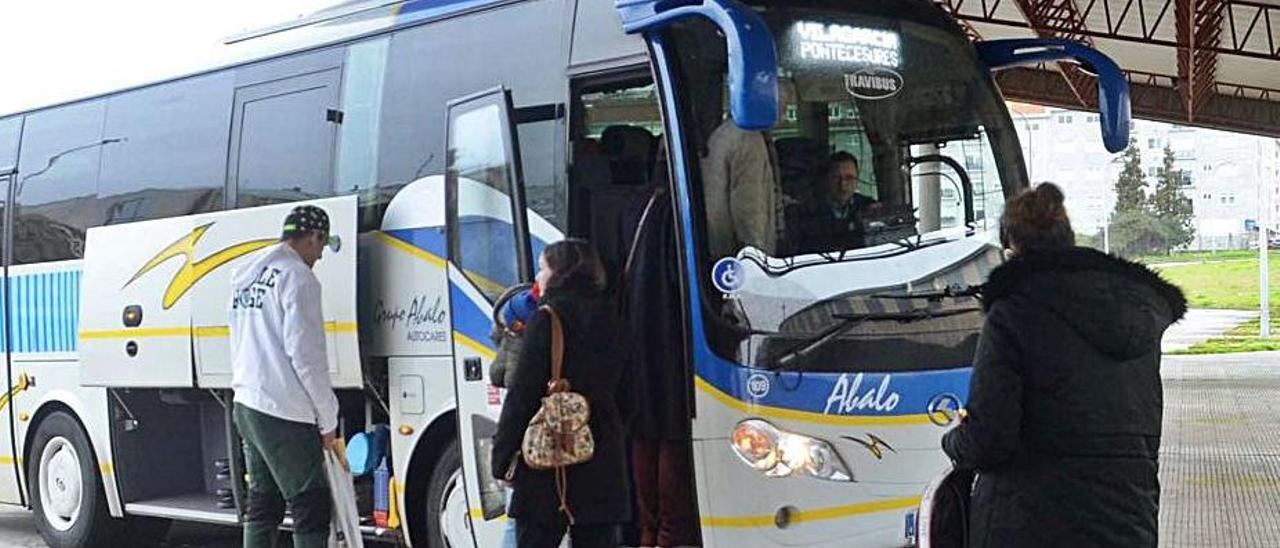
<point x="616" y="187"/>
<point x="802" y="164"/>
<point x="631" y="152"/>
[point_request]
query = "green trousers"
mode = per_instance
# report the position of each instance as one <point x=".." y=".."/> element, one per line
<point x="285" y="462"/>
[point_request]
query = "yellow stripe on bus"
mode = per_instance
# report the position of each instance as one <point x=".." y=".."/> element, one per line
<point x="477" y="514"/>
<point x="807" y="416"/>
<point x="213" y="331"/>
<point x="106" y="467"/>
<point x="820" y="514"/>
<point x="209" y="332"/>
<point x="418" y="252"/>
<point x="484" y="351"/>
<point x="137" y="333"/>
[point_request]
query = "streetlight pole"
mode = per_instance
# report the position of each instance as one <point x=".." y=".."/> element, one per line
<point x="1264" y="240"/>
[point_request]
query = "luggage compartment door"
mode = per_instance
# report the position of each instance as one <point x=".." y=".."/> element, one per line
<point x="135" y="311"/>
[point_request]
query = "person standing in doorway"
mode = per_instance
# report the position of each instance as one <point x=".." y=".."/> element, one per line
<point x="285" y="408"/>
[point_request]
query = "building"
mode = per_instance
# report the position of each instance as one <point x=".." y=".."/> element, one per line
<point x="1222" y="172"/>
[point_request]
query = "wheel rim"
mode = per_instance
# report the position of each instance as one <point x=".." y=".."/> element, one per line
<point x="453" y="511"/>
<point x="61" y="487"/>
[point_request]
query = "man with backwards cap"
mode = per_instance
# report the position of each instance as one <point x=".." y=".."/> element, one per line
<point x="285" y="408"/>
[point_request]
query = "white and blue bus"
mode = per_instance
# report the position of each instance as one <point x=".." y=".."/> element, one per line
<point x="450" y="140"/>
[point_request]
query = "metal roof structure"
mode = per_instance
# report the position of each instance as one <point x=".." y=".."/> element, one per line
<point x="1208" y="63"/>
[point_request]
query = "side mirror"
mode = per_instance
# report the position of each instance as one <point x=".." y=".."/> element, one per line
<point x="753" y="57"/>
<point x="1113" y="87"/>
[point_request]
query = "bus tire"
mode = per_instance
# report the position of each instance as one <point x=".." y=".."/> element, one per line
<point x="446" y="482"/>
<point x="66" y="489"/>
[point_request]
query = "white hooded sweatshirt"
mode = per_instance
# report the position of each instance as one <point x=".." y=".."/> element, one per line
<point x="279" y="365"/>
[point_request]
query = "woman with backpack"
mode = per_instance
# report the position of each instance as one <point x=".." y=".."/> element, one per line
<point x="591" y="499"/>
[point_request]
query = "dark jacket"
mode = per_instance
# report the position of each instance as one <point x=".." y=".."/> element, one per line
<point x="652" y="292"/>
<point x="1065" y="402"/>
<point x="596" y="365"/>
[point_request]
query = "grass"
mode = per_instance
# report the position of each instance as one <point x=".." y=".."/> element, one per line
<point x="1242" y="338"/>
<point x="1191" y="256"/>
<point x="1251" y="328"/>
<point x="1229" y="284"/>
<point x="1230" y="346"/>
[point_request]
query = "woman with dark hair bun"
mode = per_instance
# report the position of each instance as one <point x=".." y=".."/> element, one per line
<point x="1062" y="424"/>
<point x="597" y="500"/>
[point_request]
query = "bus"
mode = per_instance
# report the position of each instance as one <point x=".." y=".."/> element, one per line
<point x="450" y="140"/>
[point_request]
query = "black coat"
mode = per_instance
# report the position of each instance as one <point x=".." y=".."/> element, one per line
<point x="652" y="297"/>
<point x="596" y="366"/>
<point x="1065" y="403"/>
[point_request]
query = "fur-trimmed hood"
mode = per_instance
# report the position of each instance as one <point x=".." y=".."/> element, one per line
<point x="1120" y="307"/>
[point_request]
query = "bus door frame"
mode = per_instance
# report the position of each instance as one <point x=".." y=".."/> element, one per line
<point x="9" y="181"/>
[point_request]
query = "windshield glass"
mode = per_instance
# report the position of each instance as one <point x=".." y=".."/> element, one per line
<point x="830" y="240"/>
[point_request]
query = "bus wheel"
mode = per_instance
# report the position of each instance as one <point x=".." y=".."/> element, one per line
<point x="66" y="490"/>
<point x="447" y="501"/>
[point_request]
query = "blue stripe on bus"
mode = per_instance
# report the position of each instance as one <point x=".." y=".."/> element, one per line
<point x="418" y="10"/>
<point x="837" y="394"/>
<point x="20" y="316"/>
<point x="44" y="312"/>
<point x="4" y="320"/>
<point x="469" y="319"/>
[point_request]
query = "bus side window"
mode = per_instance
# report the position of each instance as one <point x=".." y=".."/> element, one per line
<point x="541" y="157"/>
<point x="10" y="133"/>
<point x="57" y="187"/>
<point x="358" y="148"/>
<point x="173" y="160"/>
<point x="283" y="135"/>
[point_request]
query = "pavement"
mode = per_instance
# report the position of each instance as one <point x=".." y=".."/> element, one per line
<point x="18" y="530"/>
<point x="1200" y="325"/>
<point x="1220" y="454"/>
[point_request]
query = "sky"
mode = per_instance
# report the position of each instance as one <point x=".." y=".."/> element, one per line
<point x="53" y="51"/>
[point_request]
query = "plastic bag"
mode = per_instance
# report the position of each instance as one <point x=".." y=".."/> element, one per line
<point x="344" y="529"/>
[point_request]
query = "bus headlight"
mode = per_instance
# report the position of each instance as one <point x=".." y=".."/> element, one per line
<point x="778" y="454"/>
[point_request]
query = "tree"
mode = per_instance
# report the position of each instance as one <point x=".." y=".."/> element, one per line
<point x="1131" y="185"/>
<point x="1135" y="230"/>
<point x="1138" y="233"/>
<point x="1170" y="206"/>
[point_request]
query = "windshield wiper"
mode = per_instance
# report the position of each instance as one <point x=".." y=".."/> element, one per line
<point x="953" y="291"/>
<point x="850" y="321"/>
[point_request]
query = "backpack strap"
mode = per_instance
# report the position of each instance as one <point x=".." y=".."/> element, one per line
<point x="557" y="348"/>
<point x="556" y="384"/>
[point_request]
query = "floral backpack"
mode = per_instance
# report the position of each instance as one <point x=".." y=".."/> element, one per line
<point x="558" y="435"/>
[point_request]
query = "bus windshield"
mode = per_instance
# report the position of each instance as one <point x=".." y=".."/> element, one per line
<point x="885" y="175"/>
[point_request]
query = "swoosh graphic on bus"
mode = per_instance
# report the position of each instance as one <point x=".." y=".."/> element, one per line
<point x="193" y="271"/>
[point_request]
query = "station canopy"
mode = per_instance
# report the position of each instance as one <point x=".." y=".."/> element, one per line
<point x="1207" y="63"/>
